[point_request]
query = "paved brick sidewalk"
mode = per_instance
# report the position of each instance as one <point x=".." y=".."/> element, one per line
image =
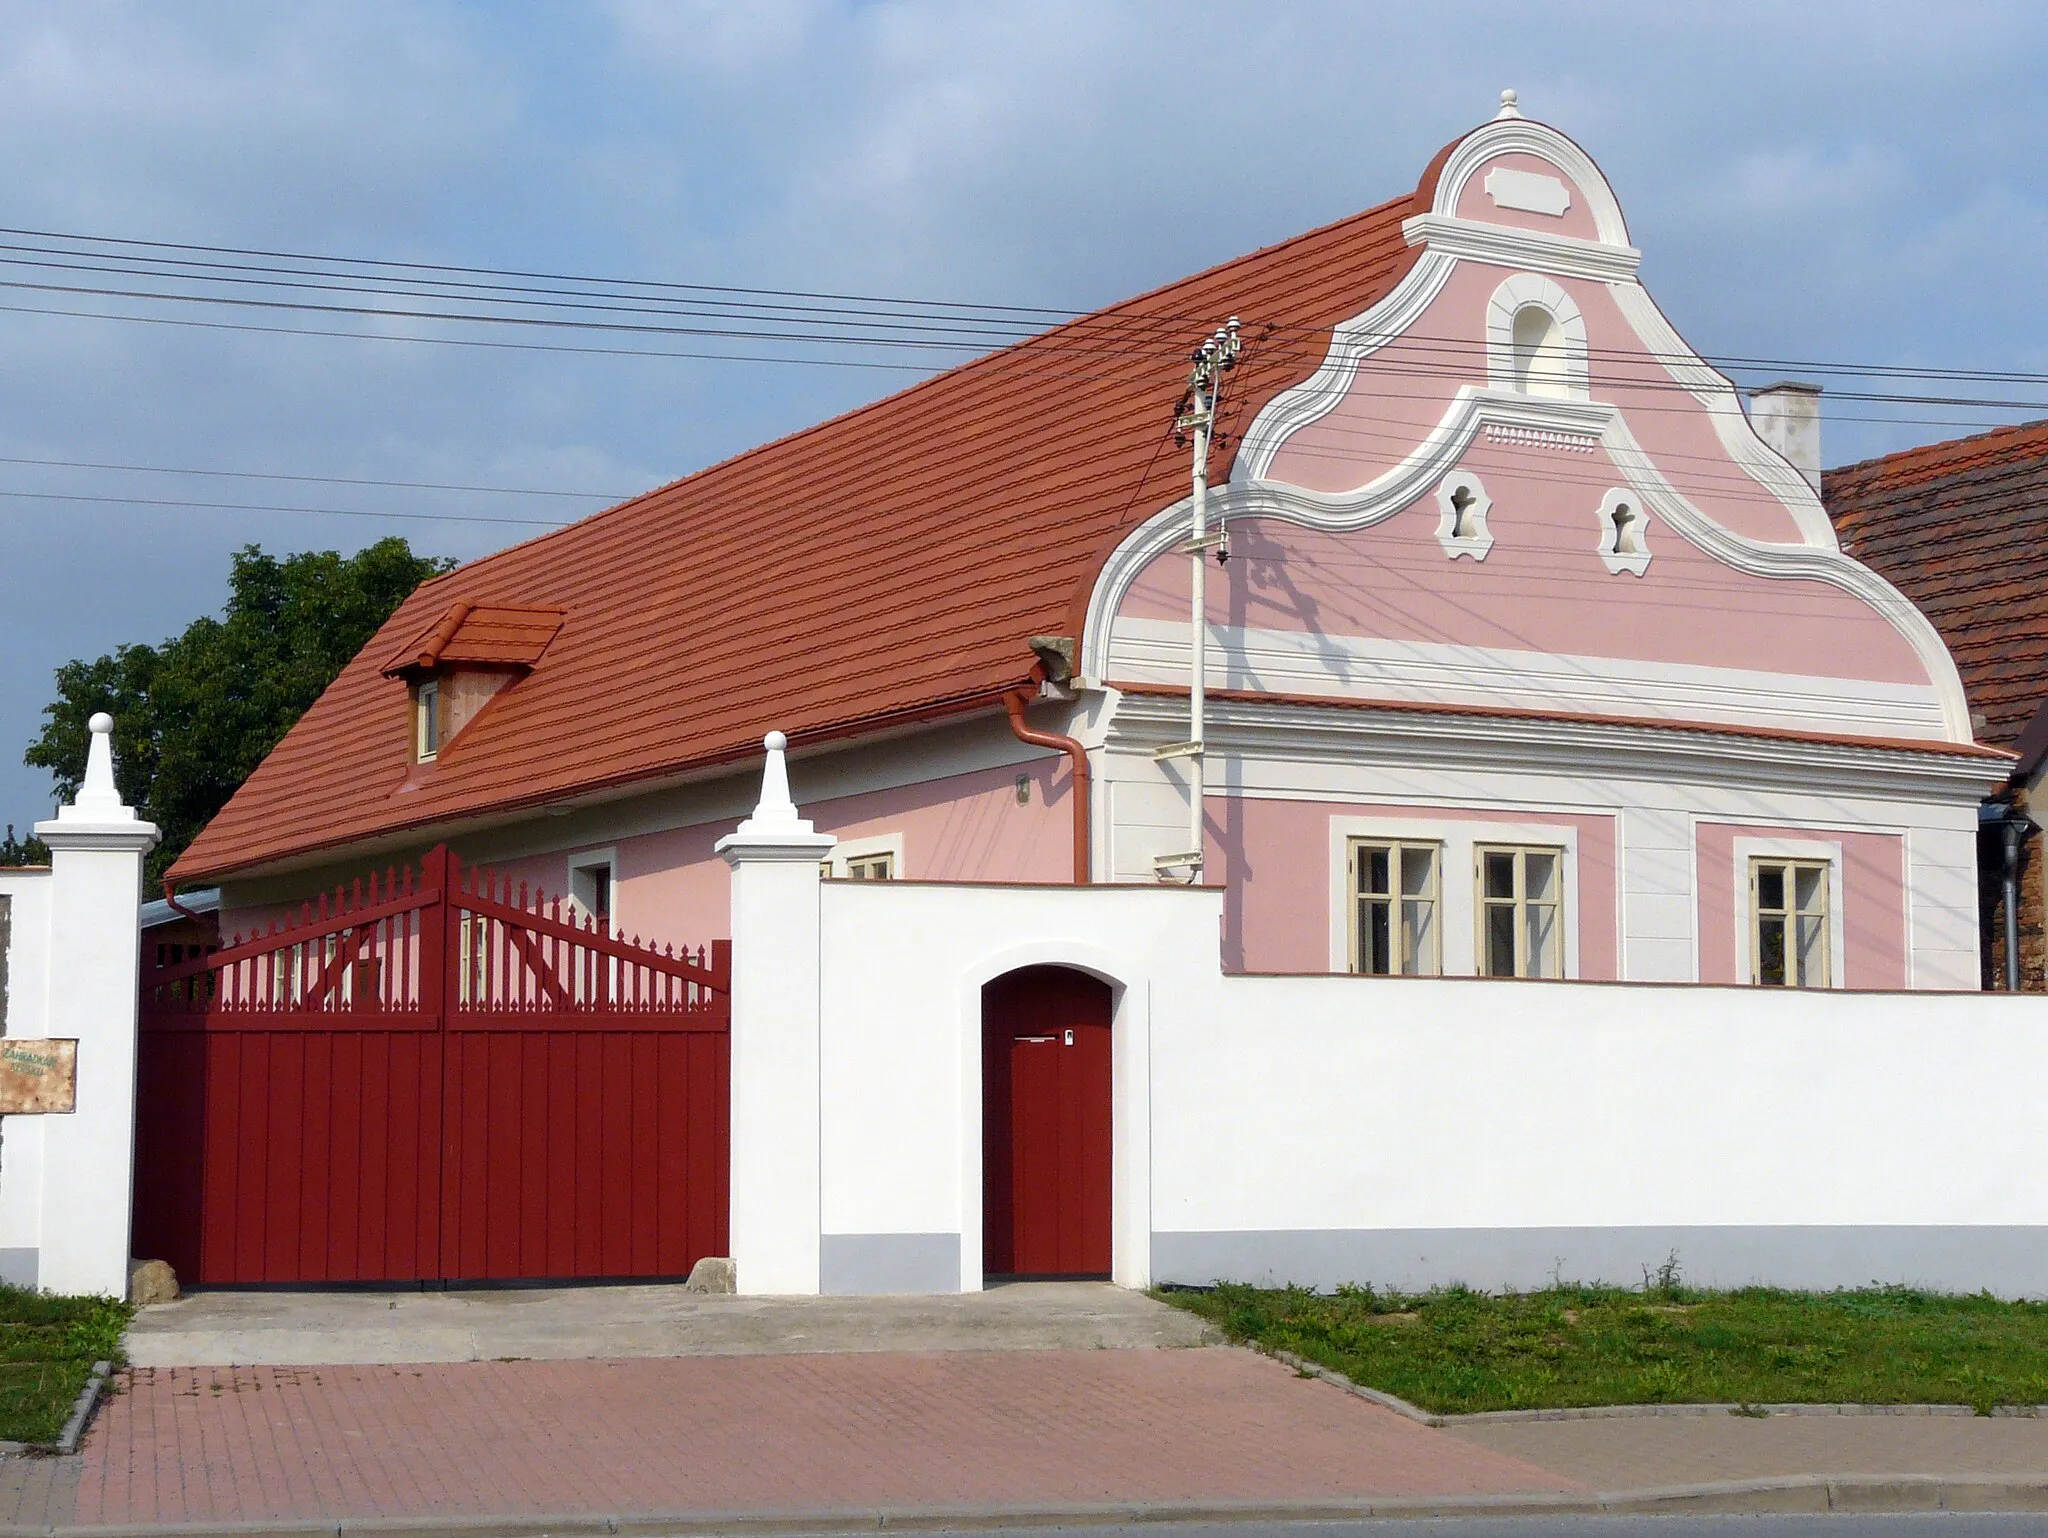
<point x="1651" y="1452"/>
<point x="736" y="1434"/>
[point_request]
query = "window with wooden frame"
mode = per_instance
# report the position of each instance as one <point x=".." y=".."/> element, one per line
<point x="880" y="866"/>
<point x="427" y="720"/>
<point x="1396" y="908"/>
<point x="1789" y="939"/>
<point x="590" y="888"/>
<point x="1521" y="911"/>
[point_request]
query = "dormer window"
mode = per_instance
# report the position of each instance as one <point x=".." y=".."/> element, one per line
<point x="427" y="720"/>
<point x="464" y="660"/>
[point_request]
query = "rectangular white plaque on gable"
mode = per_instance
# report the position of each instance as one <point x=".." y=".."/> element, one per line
<point x="1527" y="191"/>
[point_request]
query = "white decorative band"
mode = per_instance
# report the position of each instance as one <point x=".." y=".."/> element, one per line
<point x="1541" y="438"/>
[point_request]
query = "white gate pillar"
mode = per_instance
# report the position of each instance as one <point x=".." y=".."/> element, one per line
<point x="96" y="849"/>
<point x="776" y="1089"/>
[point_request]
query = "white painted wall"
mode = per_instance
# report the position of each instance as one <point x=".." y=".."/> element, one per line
<point x="1273" y="1119"/>
<point x="66" y="1180"/>
<point x="27" y="893"/>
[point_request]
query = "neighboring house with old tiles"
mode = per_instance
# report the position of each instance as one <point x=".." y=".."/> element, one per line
<point x="1962" y="529"/>
<point x="1529" y="655"/>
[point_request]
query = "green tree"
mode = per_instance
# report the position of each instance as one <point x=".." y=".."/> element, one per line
<point x="195" y="716"/>
<point x="22" y="851"/>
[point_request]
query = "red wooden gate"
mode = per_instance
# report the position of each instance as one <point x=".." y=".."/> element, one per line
<point x="432" y="1077"/>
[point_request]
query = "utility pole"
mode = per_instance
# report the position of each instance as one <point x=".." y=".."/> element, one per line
<point x="1197" y="415"/>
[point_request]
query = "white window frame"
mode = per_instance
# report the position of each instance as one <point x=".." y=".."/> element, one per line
<point x="1509" y="299"/>
<point x="1635" y="562"/>
<point x="890" y="844"/>
<point x="1479" y="539"/>
<point x="1457" y="945"/>
<point x="1395" y="899"/>
<point x="1818" y="851"/>
<point x="588" y="860"/>
<point x="1484" y="847"/>
<point x="426" y="709"/>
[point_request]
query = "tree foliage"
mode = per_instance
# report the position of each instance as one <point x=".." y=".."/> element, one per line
<point x="194" y="716"/>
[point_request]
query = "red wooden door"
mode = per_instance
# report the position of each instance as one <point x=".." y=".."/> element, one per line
<point x="1045" y="1124"/>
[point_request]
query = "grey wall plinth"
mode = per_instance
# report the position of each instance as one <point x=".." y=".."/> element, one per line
<point x="2009" y="1261"/>
<point x="856" y="1263"/>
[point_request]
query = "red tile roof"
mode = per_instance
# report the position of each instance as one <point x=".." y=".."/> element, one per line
<point x="486" y="635"/>
<point x="884" y="566"/>
<point x="1961" y="528"/>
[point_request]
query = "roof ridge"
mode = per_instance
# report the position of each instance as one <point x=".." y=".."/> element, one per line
<point x="1941" y="448"/>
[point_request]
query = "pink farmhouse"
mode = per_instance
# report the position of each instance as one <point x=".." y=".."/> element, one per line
<point x="1529" y="654"/>
<point x="1501" y="641"/>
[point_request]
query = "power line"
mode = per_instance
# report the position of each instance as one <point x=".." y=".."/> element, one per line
<point x="325" y="480"/>
<point x="981" y="332"/>
<point x="280" y="507"/>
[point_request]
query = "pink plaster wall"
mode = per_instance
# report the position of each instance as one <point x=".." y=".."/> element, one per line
<point x="1274" y="857"/>
<point x="1402" y="391"/>
<point x="1473" y="202"/>
<point x="1873" y="902"/>
<point x="674" y="887"/>
<point x="1542" y="588"/>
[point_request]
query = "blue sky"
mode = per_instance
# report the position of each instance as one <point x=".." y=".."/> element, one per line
<point x="1857" y="182"/>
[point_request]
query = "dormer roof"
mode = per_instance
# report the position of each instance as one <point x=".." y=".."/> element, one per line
<point x="487" y="635"/>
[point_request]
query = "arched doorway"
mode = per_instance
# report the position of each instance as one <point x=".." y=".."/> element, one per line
<point x="1045" y="1076"/>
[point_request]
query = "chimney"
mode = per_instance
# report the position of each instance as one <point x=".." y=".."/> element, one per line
<point x="1786" y="415"/>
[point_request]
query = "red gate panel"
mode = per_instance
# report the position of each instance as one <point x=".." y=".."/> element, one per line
<point x="433" y="1079"/>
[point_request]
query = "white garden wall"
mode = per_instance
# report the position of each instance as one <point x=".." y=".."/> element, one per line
<point x="1410" y="1132"/>
<point x="24" y="1011"/>
<point x="73" y="954"/>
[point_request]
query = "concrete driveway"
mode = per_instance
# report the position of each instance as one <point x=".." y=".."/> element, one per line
<point x="293" y="1329"/>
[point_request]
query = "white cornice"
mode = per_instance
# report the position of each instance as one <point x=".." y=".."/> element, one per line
<point x="1352" y="734"/>
<point x="1518" y="135"/>
<point x="1351" y="344"/>
<point x="1815" y="563"/>
<point x="1470" y="410"/>
<point x="1522" y="250"/>
<point x="1715" y="391"/>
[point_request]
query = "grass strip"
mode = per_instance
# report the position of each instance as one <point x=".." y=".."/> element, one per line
<point x="47" y="1347"/>
<point x="1458" y="1352"/>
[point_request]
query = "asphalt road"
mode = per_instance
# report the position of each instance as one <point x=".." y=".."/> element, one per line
<point x="1904" y="1525"/>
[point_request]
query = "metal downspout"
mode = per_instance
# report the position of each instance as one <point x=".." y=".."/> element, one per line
<point x="2013" y="830"/>
<point x="1015" y="702"/>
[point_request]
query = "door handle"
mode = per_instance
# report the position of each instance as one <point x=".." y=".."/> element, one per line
<point x="1037" y="1039"/>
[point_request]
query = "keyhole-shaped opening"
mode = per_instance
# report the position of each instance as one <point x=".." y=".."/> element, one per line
<point x="1462" y="502"/>
<point x="1628" y="539"/>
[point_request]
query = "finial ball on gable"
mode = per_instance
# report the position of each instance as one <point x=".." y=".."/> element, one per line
<point x="1508" y="99"/>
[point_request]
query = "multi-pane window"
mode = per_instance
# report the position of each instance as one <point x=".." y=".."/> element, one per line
<point x="1521" y="912"/>
<point x="1788" y="904"/>
<point x="871" y="867"/>
<point x="1395" y="908"/>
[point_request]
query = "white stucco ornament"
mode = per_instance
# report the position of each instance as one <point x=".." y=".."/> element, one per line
<point x="97" y="810"/>
<point x="775" y="831"/>
<point x="775" y="812"/>
<point x="1508" y="98"/>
